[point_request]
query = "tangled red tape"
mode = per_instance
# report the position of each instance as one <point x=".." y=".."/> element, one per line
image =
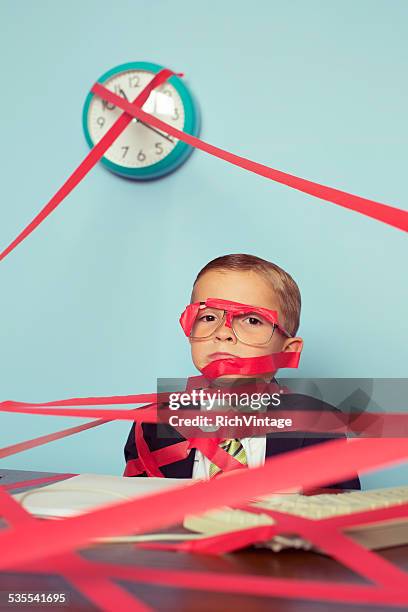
<point x="32" y="545"/>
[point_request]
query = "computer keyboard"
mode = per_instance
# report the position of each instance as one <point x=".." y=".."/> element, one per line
<point x="327" y="505"/>
<point x="378" y="535"/>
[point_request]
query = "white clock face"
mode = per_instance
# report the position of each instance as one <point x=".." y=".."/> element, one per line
<point x="138" y="145"/>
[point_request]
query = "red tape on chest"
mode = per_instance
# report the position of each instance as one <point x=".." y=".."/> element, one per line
<point x="151" y="461"/>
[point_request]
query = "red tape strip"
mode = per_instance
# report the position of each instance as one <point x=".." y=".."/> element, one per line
<point x="314" y="466"/>
<point x="32" y="542"/>
<point x="246" y="366"/>
<point x="33" y="482"/>
<point x="231" y="583"/>
<point x="27" y="546"/>
<point x="89" y="162"/>
<point x="382" y="212"/>
<point x="391" y="215"/>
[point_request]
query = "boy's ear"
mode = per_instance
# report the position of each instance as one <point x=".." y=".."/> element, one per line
<point x="293" y="344"/>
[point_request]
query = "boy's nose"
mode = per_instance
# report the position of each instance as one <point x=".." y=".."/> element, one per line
<point x="225" y="334"/>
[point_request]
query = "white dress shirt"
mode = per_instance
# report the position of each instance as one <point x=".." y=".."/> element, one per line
<point x="255" y="449"/>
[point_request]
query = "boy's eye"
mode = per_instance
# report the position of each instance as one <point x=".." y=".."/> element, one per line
<point x="208" y="318"/>
<point x="254" y="321"/>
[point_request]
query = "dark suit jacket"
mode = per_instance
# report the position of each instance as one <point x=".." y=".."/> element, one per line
<point x="161" y="435"/>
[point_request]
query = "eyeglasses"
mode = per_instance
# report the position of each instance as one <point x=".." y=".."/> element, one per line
<point x="251" y="324"/>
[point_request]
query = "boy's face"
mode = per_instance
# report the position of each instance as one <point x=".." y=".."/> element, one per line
<point x="246" y="287"/>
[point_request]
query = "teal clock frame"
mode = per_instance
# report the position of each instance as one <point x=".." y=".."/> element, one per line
<point x="181" y="151"/>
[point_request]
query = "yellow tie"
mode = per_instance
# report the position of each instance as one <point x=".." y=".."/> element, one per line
<point x="235" y="449"/>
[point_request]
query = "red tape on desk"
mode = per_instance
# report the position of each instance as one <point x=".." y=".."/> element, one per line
<point x="27" y="545"/>
<point x="232" y="583"/>
<point x="243" y="538"/>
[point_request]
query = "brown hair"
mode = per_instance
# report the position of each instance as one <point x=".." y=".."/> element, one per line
<point x="286" y="289"/>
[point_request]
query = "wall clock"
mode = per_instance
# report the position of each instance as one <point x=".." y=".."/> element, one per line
<point x="142" y="152"/>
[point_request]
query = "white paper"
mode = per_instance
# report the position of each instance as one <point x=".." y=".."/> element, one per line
<point x="87" y="492"/>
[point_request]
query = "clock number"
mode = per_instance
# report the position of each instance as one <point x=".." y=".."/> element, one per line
<point x="134" y="81"/>
<point x="100" y="121"/>
<point x="168" y="92"/>
<point x="141" y="156"/>
<point x="126" y="149"/>
<point x="176" y="114"/>
<point x="107" y="105"/>
<point x="159" y="148"/>
<point x="120" y="92"/>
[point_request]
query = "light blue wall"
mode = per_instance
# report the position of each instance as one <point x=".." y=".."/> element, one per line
<point x="90" y="302"/>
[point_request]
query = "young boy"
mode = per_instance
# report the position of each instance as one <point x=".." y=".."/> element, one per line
<point x="216" y="334"/>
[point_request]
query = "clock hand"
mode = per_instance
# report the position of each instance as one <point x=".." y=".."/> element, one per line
<point x="157" y="131"/>
<point x="122" y="93"/>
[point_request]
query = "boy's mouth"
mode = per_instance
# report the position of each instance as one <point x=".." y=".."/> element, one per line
<point x="220" y="355"/>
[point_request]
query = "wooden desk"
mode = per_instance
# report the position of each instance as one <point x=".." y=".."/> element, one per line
<point x="285" y="564"/>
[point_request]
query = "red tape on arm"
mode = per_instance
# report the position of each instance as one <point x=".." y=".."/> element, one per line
<point x="146" y="458"/>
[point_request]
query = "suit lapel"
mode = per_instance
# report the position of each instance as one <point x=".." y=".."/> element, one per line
<point x="180" y="469"/>
<point x="275" y="444"/>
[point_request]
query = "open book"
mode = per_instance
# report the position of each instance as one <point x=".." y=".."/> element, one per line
<point x="373" y="536"/>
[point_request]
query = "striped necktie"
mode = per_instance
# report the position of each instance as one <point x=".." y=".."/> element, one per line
<point x="235" y="449"/>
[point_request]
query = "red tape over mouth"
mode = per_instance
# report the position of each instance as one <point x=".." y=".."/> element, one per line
<point x="247" y="366"/>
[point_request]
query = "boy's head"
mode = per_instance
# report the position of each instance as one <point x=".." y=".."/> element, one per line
<point x="248" y="280"/>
